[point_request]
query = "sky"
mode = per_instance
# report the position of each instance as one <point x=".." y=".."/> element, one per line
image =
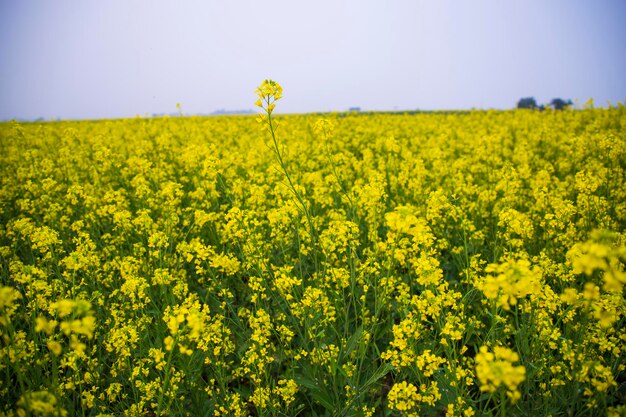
<point x="94" y="59"/>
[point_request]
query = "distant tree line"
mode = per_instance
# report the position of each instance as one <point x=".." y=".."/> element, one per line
<point x="531" y="103"/>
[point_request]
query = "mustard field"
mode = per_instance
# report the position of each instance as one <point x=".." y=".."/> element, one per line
<point x="434" y="264"/>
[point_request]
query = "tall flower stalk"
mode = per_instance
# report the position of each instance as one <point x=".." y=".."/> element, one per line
<point x="268" y="93"/>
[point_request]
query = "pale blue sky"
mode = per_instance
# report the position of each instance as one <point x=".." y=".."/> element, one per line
<point x="120" y="58"/>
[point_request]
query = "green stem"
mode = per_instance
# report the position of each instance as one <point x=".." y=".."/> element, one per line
<point x="166" y="379"/>
<point x="314" y="239"/>
<point x="284" y="168"/>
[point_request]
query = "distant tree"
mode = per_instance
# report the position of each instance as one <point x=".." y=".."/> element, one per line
<point x="527" y="103"/>
<point x="560" y="104"/>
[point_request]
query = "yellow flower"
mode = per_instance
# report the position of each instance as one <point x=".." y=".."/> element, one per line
<point x="602" y="252"/>
<point x="7" y="296"/>
<point x="268" y="92"/>
<point x="168" y="342"/>
<point x="510" y="281"/>
<point x="324" y="128"/>
<point x="287" y="389"/>
<point x="43" y="325"/>
<point x="495" y="369"/>
<point x="402" y="396"/>
<point x="55" y="347"/>
<point x="41" y="403"/>
<point x="66" y="307"/>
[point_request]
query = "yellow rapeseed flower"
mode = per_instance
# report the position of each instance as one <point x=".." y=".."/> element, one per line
<point x="268" y="93"/>
<point x="496" y="369"/>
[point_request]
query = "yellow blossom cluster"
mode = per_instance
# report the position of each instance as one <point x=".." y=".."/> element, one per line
<point x="366" y="264"/>
<point x="510" y="281"/>
<point x="496" y="369"/>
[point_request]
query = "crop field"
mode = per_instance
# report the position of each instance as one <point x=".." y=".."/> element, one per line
<point x="429" y="264"/>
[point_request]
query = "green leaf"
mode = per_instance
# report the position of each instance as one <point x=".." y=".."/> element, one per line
<point x="319" y="394"/>
<point x="353" y="342"/>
